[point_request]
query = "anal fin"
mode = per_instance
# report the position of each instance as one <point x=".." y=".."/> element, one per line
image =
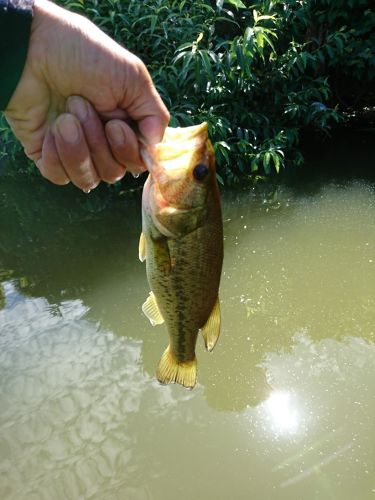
<point x="170" y="370"/>
<point x="151" y="310"/>
<point x="211" y="330"/>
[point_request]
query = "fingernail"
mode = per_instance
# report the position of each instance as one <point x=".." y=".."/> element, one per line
<point x="134" y="168"/>
<point x="152" y="130"/>
<point x="78" y="107"/>
<point x="88" y="190"/>
<point x="115" y="134"/>
<point x="117" y="179"/>
<point x="90" y="187"/>
<point x="68" y="129"/>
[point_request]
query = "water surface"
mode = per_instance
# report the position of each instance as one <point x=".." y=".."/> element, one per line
<point x="285" y="404"/>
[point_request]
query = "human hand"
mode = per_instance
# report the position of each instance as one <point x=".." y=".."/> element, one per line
<point x="70" y="64"/>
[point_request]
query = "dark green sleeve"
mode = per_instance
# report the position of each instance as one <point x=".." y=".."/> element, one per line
<point x="15" y="26"/>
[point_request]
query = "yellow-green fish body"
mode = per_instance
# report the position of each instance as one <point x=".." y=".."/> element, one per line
<point x="182" y="242"/>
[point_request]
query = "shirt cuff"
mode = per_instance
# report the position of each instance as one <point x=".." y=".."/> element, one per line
<point x="15" y="28"/>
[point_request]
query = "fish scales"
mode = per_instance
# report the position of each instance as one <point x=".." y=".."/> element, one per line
<point x="187" y="294"/>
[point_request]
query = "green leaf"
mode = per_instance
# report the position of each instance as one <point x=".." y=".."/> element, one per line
<point x="260" y="41"/>
<point x="184" y="46"/>
<point x="186" y="66"/>
<point x="179" y="56"/>
<point x="206" y="64"/>
<point x="266" y="163"/>
<point x="254" y="165"/>
<point x="268" y="40"/>
<point x="219" y="4"/>
<point x="261" y="18"/>
<point x="237" y="3"/>
<point x="276" y="161"/>
<point x="224" y="145"/>
<point x="154" y="20"/>
<point x="248" y="35"/>
<point x="219" y="179"/>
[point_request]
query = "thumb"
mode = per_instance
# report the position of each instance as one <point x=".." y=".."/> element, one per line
<point x="146" y="107"/>
<point x="152" y="128"/>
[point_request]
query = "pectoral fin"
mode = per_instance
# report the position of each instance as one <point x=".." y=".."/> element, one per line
<point x="142" y="248"/>
<point x="151" y="310"/>
<point x="211" y="330"/>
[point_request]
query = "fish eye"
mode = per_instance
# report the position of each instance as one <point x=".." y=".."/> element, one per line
<point x="200" y="171"/>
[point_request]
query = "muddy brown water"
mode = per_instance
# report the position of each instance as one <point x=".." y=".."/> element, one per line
<point x="285" y="404"/>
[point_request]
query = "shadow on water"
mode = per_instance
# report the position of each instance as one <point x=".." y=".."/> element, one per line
<point x="60" y="242"/>
<point x="345" y="156"/>
<point x="285" y="401"/>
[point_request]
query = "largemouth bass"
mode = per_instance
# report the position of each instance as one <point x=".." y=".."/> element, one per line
<point x="182" y="243"/>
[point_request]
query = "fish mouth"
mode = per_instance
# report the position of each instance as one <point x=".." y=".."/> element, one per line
<point x="176" y="147"/>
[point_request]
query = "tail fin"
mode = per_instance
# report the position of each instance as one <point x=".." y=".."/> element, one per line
<point x="180" y="372"/>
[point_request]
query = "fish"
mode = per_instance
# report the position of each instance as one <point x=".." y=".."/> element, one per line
<point x="182" y="244"/>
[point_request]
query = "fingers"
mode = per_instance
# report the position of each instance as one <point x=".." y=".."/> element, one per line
<point x="73" y="152"/>
<point x="108" y="167"/>
<point x="124" y="145"/>
<point x="65" y="155"/>
<point x="81" y="149"/>
<point x="78" y="148"/>
<point x="49" y="164"/>
<point x="152" y="128"/>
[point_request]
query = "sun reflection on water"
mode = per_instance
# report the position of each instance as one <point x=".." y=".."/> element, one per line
<point x="281" y="412"/>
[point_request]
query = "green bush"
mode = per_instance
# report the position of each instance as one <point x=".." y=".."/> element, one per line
<point x="259" y="72"/>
